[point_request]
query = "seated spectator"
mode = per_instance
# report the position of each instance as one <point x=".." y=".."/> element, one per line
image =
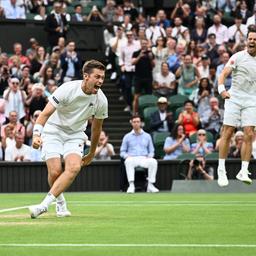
<point x="188" y="75"/>
<point x="201" y="148"/>
<point x="177" y="144"/>
<point x="18" y="152"/>
<point x="104" y="150"/>
<point x="30" y="126"/>
<point x="109" y="10"/>
<point x="161" y="120"/>
<point x="15" y="99"/>
<point x="8" y="136"/>
<point x="4" y="78"/>
<point x="41" y="14"/>
<point x="17" y="48"/>
<point x="164" y="82"/>
<point x="13" y="120"/>
<point x="235" y="150"/>
<point x="137" y="149"/>
<point x="199" y="171"/>
<point x="95" y="15"/>
<point x="2" y="111"/>
<point x="77" y="16"/>
<point x="50" y="88"/>
<point x="189" y="118"/>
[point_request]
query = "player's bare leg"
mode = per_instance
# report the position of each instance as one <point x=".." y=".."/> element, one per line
<point x="246" y="152"/>
<point x="63" y="181"/>
<point x="223" y="153"/>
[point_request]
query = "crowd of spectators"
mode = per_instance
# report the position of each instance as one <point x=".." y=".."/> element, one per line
<point x="178" y="51"/>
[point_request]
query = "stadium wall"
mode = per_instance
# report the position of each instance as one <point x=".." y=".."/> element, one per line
<point x="88" y="36"/>
<point x="99" y="176"/>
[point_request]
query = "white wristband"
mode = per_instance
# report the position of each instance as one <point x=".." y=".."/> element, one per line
<point x="37" y="130"/>
<point x="221" y="88"/>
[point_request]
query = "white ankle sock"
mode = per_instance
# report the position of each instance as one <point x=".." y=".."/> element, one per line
<point x="48" y="200"/>
<point x="60" y="198"/>
<point x="221" y="165"/>
<point x="131" y="183"/>
<point x="244" y="165"/>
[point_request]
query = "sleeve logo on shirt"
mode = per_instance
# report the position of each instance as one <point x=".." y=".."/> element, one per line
<point x="55" y="100"/>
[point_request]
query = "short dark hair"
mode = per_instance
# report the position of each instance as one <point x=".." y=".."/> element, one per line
<point x="189" y="101"/>
<point x="135" y="116"/>
<point x="92" y="64"/>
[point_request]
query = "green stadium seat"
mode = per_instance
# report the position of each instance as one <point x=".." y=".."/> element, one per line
<point x="177" y="100"/>
<point x="186" y="156"/>
<point x="212" y="156"/>
<point x="147" y="112"/>
<point x="147" y="100"/>
<point x="158" y="140"/>
<point x="209" y="137"/>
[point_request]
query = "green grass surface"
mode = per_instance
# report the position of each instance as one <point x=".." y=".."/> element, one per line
<point x="121" y="224"/>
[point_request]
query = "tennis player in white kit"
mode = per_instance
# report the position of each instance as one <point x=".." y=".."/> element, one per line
<point x="240" y="107"/>
<point x="60" y="130"/>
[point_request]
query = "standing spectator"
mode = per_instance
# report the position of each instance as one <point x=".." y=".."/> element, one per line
<point x="7" y="137"/>
<point x="18" y="152"/>
<point x="144" y="63"/>
<point x="104" y="150"/>
<point x="204" y="66"/>
<point x="203" y="95"/>
<point x="41" y="13"/>
<point x="37" y="101"/>
<point x="211" y="47"/>
<point x="70" y="63"/>
<point x="189" y="118"/>
<point x="14" y="11"/>
<point x="241" y="9"/>
<point x="109" y="10"/>
<point x="180" y="32"/>
<point x="128" y="68"/>
<point x="127" y="25"/>
<point x="238" y="31"/>
<point x="15" y="99"/>
<point x="177" y="144"/>
<point x="55" y="25"/>
<point x="220" y="30"/>
<point x="137" y="149"/>
<point x="252" y="20"/>
<point x="188" y="77"/>
<point x="119" y="14"/>
<point x="161" y="120"/>
<point x="130" y="10"/>
<point x="50" y="87"/>
<point x="160" y="52"/>
<point x="199" y="33"/>
<point x="153" y="31"/>
<point x="4" y="78"/>
<point x="162" y="21"/>
<point x="164" y="82"/>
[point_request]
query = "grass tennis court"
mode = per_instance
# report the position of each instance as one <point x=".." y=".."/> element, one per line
<point x="140" y="224"/>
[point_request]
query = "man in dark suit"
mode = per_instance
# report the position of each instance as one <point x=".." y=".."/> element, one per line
<point x="161" y="120"/>
<point x="56" y="25"/>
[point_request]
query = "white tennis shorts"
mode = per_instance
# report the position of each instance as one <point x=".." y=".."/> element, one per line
<point x="57" y="143"/>
<point x="239" y="113"/>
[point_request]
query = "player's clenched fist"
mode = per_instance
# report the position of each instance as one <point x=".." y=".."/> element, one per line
<point x="36" y="142"/>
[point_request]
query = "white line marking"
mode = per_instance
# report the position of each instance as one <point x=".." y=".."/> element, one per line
<point x="135" y="245"/>
<point x="14" y="209"/>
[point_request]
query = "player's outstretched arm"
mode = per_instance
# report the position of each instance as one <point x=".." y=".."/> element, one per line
<point x="40" y="122"/>
<point x="96" y="130"/>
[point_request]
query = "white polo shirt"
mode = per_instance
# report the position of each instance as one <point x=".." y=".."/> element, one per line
<point x="243" y="76"/>
<point x="74" y="107"/>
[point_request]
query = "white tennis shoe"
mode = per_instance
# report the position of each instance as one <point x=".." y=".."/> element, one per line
<point x="62" y="210"/>
<point x="222" y="178"/>
<point x="36" y="210"/>
<point x="243" y="176"/>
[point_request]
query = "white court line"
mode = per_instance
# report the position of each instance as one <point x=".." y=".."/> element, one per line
<point x="14" y="209"/>
<point x="136" y="245"/>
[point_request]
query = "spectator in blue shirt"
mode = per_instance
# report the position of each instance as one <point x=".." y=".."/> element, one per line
<point x="177" y="144"/>
<point x="137" y="149"/>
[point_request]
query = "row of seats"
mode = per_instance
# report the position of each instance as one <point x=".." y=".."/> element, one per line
<point x="159" y="139"/>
